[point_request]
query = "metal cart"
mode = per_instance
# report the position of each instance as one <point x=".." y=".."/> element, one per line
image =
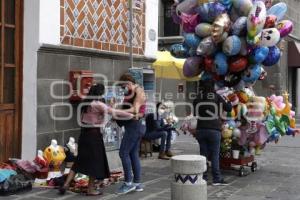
<point x="227" y="163"/>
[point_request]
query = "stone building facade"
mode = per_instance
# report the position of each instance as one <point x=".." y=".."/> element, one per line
<point x="63" y="35"/>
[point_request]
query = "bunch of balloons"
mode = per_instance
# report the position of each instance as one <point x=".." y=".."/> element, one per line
<point x="255" y="121"/>
<point x="230" y="41"/>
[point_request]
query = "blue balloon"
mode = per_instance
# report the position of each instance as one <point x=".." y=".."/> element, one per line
<point x="279" y="10"/>
<point x="239" y="27"/>
<point x="258" y="55"/>
<point x="232" y="45"/>
<point x="275" y="135"/>
<point x="221" y="64"/>
<point x="205" y="76"/>
<point x="179" y="51"/>
<point x="252" y="74"/>
<point x="192" y="40"/>
<point x="290" y="131"/>
<point x="209" y="11"/>
<point x="273" y="56"/>
<point x="226" y="3"/>
<point x="231" y="123"/>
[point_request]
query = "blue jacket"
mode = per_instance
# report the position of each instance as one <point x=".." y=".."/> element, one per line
<point x="153" y="123"/>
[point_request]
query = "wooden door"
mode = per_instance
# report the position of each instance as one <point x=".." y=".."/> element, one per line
<point x="11" y="13"/>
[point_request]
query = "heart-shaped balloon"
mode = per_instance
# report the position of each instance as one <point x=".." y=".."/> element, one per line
<point x="270" y="21"/>
<point x="273" y="56"/>
<point x="209" y="64"/>
<point x="206" y="47"/>
<point x="192" y="66"/>
<point x="237" y="64"/>
<point x="285" y="27"/>
<point x="239" y="27"/>
<point x="221" y="63"/>
<point x="203" y="30"/>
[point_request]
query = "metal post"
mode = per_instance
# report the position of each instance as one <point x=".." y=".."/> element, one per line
<point x="131" y="32"/>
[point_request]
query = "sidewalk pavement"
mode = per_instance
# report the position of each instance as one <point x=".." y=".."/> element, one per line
<point x="277" y="178"/>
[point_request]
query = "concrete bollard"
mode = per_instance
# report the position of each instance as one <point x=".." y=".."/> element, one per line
<point x="188" y="183"/>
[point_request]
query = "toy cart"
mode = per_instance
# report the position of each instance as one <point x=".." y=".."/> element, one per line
<point x="227" y="163"/>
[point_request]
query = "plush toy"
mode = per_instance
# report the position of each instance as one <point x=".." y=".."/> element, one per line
<point x="71" y="150"/>
<point x="40" y="160"/>
<point x="55" y="155"/>
<point x="189" y="125"/>
<point x="227" y="132"/>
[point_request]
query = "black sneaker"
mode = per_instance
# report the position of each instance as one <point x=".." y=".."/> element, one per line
<point x="220" y="183"/>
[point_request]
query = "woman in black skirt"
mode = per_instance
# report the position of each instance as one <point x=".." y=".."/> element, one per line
<point x="91" y="159"/>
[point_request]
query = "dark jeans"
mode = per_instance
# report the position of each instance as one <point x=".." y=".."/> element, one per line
<point x="129" y="150"/>
<point x="165" y="137"/>
<point x="210" y="141"/>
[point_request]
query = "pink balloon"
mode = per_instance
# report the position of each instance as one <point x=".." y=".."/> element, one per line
<point x="292" y="114"/>
<point x="189" y="22"/>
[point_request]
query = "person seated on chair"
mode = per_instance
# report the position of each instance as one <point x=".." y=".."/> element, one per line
<point x="157" y="129"/>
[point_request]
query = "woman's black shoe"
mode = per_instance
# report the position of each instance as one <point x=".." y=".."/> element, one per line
<point x="62" y="190"/>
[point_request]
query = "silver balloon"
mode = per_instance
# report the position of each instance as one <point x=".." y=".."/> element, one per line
<point x="206" y="47"/>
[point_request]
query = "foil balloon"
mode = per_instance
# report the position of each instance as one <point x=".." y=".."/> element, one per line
<point x="258" y="55"/>
<point x="244" y="48"/>
<point x="237" y="64"/>
<point x="189" y="22"/>
<point x="205" y="76"/>
<point x="263" y="74"/>
<point x="270" y="21"/>
<point x="233" y="15"/>
<point x="256" y="19"/>
<point x="206" y="47"/>
<point x="252" y="74"/>
<point x="178" y="1"/>
<point x="220" y="26"/>
<point x="203" y="30"/>
<point x="243" y="7"/>
<point x="187" y="6"/>
<point x="232" y="80"/>
<point x="269" y="37"/>
<point x="221" y="64"/>
<point x="175" y="17"/>
<point x="224" y="37"/>
<point x="285" y="27"/>
<point x="209" y="64"/>
<point x="273" y="56"/>
<point x="226" y="3"/>
<point x="191" y="67"/>
<point x="239" y="27"/>
<point x="191" y="40"/>
<point x="209" y="11"/>
<point x="179" y="51"/>
<point x="192" y="52"/>
<point x="232" y="45"/>
<point x="243" y="95"/>
<point x="268" y="3"/>
<point x="279" y="10"/>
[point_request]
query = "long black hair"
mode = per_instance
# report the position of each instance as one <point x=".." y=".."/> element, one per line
<point x="96" y="93"/>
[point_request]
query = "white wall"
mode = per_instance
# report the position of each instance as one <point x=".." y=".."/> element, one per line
<point x="151" y="24"/>
<point x="49" y="22"/>
<point x="31" y="45"/>
<point x="41" y="26"/>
